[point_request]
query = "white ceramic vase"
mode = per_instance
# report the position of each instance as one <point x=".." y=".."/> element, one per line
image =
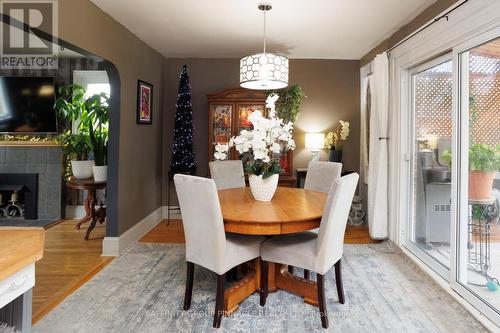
<point x="82" y="169"/>
<point x="263" y="189"/>
<point x="100" y="173"/>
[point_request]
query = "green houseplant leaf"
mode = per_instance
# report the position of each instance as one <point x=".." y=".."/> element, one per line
<point x="289" y="102"/>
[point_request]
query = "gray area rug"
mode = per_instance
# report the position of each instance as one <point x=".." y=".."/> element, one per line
<point x="142" y="291"/>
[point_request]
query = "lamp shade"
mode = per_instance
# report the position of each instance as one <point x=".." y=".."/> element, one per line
<point x="315" y="141"/>
<point x="264" y="71"/>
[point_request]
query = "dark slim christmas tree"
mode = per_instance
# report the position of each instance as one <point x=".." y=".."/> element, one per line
<point x="182" y="148"/>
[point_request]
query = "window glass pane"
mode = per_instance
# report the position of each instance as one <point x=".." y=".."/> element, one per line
<point x="479" y="230"/>
<point x="431" y="207"/>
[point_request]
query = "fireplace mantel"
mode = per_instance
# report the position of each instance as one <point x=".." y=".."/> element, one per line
<point x="28" y="144"/>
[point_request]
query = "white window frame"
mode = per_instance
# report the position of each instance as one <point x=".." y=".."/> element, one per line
<point x="460" y="173"/>
<point x="430" y="261"/>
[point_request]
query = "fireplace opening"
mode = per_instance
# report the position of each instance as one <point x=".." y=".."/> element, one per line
<point x="19" y="196"/>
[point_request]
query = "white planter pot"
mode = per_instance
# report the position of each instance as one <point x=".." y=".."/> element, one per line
<point x="100" y="173"/>
<point x="263" y="189"/>
<point x="82" y="169"/>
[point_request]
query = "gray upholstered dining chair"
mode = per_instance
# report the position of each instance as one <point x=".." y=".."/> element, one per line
<point x="319" y="177"/>
<point x="227" y="174"/>
<point x="207" y="244"/>
<point x="316" y="252"/>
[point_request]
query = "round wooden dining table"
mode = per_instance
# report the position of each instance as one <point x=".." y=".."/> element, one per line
<point x="290" y="211"/>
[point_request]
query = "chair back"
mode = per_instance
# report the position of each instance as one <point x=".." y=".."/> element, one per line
<point x="227" y="174"/>
<point x="202" y="220"/>
<point x="320" y="175"/>
<point x="330" y="244"/>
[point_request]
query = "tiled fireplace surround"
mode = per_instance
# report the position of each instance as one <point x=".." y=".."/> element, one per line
<point x="46" y="161"/>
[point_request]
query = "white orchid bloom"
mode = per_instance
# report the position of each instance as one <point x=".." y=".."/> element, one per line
<point x="220" y="156"/>
<point x="260" y="154"/>
<point x="276" y="148"/>
<point x="221" y="148"/>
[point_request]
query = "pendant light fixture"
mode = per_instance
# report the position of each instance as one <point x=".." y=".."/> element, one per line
<point x="264" y="71"/>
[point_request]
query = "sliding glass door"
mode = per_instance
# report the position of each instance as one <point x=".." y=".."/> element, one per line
<point x="478" y="247"/>
<point x="431" y="95"/>
<point x="454" y="163"/>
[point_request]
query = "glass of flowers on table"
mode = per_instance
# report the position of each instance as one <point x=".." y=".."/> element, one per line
<point x="333" y="141"/>
<point x="260" y="150"/>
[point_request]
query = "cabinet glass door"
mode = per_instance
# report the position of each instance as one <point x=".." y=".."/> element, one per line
<point x="243" y="114"/>
<point x="222" y="125"/>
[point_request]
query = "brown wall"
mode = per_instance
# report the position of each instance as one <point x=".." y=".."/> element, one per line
<point x="140" y="156"/>
<point x="332" y="87"/>
<point x="425" y="16"/>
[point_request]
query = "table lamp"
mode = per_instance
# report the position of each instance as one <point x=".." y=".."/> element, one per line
<point x="315" y="142"/>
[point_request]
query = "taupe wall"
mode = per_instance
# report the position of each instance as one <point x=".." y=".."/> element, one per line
<point x="140" y="156"/>
<point x="332" y="87"/>
<point x="425" y="16"/>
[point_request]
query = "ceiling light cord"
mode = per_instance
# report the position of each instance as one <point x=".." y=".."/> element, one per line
<point x="265" y="31"/>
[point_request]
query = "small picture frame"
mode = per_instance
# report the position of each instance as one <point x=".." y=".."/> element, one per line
<point x="144" y="103"/>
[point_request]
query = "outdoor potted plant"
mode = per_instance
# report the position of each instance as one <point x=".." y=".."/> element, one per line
<point x="333" y="141"/>
<point x="259" y="148"/>
<point x="76" y="148"/>
<point x="484" y="163"/>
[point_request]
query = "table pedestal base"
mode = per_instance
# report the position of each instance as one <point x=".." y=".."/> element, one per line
<point x="278" y="278"/>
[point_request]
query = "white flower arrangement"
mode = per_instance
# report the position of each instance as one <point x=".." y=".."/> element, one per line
<point x="333" y="140"/>
<point x="259" y="147"/>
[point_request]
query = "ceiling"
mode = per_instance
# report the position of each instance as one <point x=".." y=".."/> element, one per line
<point x="321" y="29"/>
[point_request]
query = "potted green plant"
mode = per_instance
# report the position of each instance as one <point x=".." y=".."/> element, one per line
<point x="98" y="120"/>
<point x="484" y="162"/>
<point x="333" y="141"/>
<point x="76" y="148"/>
<point x="288" y="104"/>
<point x="90" y="118"/>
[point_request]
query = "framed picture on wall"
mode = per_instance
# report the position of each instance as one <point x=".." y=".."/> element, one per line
<point x="144" y="102"/>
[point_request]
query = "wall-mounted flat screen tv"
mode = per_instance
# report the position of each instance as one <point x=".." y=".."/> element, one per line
<point x="27" y="105"/>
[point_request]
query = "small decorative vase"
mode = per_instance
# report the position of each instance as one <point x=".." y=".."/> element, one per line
<point x="263" y="189"/>
<point x="82" y="169"/>
<point x="480" y="184"/>
<point x="335" y="156"/>
<point x="100" y="173"/>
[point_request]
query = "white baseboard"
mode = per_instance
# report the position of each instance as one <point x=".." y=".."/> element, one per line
<point x="114" y="246"/>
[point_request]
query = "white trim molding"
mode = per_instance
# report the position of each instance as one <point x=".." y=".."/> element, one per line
<point x="114" y="246"/>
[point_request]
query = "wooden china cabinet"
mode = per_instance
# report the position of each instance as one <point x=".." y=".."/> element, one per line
<point x="228" y="113"/>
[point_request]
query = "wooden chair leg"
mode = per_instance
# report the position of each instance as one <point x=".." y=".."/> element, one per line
<point x="189" y="286"/>
<point x="264" y="274"/>
<point x="307" y="274"/>
<point x="338" y="281"/>
<point x="219" y="300"/>
<point x="321" y="300"/>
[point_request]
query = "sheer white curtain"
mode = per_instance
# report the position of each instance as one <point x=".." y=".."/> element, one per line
<point x="378" y="150"/>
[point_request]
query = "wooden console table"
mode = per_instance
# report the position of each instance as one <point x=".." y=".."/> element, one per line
<point x="92" y="214"/>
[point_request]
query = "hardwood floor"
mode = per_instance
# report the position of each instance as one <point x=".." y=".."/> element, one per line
<point x="173" y="233"/>
<point x="68" y="262"/>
